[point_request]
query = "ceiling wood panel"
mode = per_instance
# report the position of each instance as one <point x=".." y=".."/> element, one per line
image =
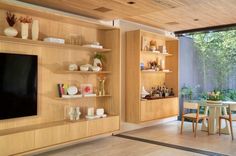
<point x="172" y="15"/>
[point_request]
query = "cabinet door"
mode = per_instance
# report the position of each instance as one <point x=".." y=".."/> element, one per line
<point x="78" y="130"/>
<point x="51" y="135"/>
<point x="157" y="109"/>
<point x="150" y="110"/>
<point x="170" y="107"/>
<point x="16" y="143"/>
<point x="104" y="125"/>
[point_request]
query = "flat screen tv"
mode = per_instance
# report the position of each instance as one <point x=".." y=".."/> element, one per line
<point x="18" y="85"/>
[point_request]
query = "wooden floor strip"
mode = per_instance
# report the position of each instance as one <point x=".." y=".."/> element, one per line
<point x="189" y="149"/>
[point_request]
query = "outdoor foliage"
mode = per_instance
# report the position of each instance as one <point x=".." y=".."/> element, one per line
<point x="217" y="53"/>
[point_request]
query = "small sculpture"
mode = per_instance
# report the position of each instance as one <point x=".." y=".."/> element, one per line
<point x="74" y="113"/>
<point x="98" y="59"/>
<point x="101" y="86"/>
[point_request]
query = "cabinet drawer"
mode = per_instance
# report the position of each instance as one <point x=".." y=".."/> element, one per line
<point x="51" y="135"/>
<point x="16" y="143"/>
<point x="78" y="130"/>
<point x="104" y="125"/>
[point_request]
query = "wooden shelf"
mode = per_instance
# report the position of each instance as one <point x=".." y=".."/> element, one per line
<point x="73" y="98"/>
<point x="150" y="71"/>
<point x="157" y="53"/>
<point x="159" y="98"/>
<point x="84" y="72"/>
<point x="47" y="44"/>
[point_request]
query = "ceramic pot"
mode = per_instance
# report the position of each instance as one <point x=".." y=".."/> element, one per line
<point x="10" y="31"/>
<point x="35" y="30"/>
<point x="24" y="30"/>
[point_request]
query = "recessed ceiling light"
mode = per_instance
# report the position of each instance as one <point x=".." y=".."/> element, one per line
<point x="196" y="19"/>
<point x="102" y="9"/>
<point x="172" y="23"/>
<point x="131" y="2"/>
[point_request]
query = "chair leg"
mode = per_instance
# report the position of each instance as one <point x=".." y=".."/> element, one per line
<point x="195" y="133"/>
<point x="219" y="126"/>
<point x="231" y="129"/>
<point x="193" y="125"/>
<point x="182" y="123"/>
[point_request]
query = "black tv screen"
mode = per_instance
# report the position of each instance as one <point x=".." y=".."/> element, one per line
<point x="18" y="85"/>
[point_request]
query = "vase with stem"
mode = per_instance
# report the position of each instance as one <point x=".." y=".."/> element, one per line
<point x="11" y="20"/>
<point x="25" y="21"/>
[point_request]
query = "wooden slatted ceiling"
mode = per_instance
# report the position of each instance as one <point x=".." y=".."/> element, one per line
<point x="172" y="15"/>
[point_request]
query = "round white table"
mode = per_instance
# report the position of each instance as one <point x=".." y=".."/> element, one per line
<point x="215" y="110"/>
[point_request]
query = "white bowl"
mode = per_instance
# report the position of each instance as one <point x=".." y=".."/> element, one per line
<point x="84" y="68"/>
<point x="96" y="68"/>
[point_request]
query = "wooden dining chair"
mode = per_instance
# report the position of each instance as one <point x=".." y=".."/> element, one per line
<point x="230" y="117"/>
<point x="195" y="117"/>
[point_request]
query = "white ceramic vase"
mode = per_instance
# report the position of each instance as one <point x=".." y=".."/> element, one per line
<point x="10" y="31"/>
<point x="24" y="30"/>
<point x="71" y="113"/>
<point x="78" y="113"/>
<point x="35" y="30"/>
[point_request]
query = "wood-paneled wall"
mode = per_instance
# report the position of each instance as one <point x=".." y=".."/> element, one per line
<point x="52" y="60"/>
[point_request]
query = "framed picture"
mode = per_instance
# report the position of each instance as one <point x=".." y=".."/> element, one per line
<point x="86" y="89"/>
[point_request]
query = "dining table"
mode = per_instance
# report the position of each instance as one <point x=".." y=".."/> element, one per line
<point x="215" y="109"/>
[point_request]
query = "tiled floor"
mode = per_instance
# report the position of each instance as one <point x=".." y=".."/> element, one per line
<point x="168" y="133"/>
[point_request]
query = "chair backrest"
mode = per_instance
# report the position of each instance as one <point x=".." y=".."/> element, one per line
<point x="190" y="105"/>
<point x="232" y="107"/>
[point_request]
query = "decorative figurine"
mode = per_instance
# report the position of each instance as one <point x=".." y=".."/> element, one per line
<point x="101" y="86"/>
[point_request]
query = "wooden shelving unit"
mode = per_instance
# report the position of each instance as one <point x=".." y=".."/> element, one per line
<point x="49" y="127"/>
<point x="138" y="110"/>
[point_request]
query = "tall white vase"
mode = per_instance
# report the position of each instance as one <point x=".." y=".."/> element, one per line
<point x="24" y="30"/>
<point x="35" y="30"/>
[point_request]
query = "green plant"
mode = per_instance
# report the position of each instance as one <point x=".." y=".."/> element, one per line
<point x="190" y="93"/>
<point x="11" y="19"/>
<point x="100" y="56"/>
<point x="217" y="54"/>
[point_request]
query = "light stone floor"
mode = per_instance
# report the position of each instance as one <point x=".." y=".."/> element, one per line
<point x="168" y="133"/>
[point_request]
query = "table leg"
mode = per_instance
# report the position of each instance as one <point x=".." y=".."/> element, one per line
<point x="204" y="122"/>
<point x="212" y="120"/>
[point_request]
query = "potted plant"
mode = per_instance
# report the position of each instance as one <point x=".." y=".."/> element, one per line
<point x="11" y="20"/>
<point x="25" y="26"/>
<point x="214" y="97"/>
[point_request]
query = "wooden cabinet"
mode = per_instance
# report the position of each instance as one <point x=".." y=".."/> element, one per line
<point x="78" y="130"/>
<point x="20" y="140"/>
<point x="16" y="143"/>
<point x="138" y="110"/>
<point x="157" y="109"/>
<point x="102" y="126"/>
<point x="51" y="135"/>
